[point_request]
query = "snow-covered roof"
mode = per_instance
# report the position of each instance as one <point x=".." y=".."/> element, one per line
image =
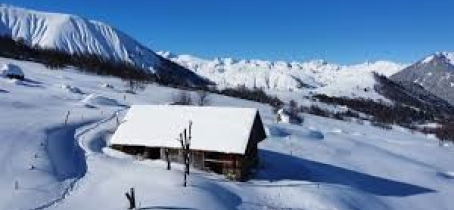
<point x="11" y="70"/>
<point x="217" y="129"/>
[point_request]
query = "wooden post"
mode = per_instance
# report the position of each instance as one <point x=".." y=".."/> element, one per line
<point x="185" y="179"/>
<point x="67" y="116"/>
<point x="188" y="144"/>
<point x="167" y="155"/>
<point x="131" y="198"/>
<point x="186" y="152"/>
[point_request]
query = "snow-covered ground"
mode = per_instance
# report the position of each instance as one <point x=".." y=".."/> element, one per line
<point x="323" y="164"/>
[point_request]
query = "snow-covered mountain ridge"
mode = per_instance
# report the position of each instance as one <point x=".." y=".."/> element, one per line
<point x="317" y="75"/>
<point x="73" y="34"/>
<point x="434" y="73"/>
<point x="448" y="57"/>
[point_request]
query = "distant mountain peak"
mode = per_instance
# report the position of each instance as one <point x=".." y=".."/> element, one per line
<point x="76" y="35"/>
<point x="439" y="57"/>
<point x="73" y="34"/>
<point x="435" y="73"/>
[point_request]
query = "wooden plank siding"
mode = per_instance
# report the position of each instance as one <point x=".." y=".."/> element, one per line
<point x="233" y="166"/>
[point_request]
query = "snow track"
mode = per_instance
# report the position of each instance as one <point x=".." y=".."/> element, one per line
<point x="67" y="152"/>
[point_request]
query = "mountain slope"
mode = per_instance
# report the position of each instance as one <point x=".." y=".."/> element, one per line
<point x="76" y="35"/>
<point x="434" y="73"/>
<point x="73" y="34"/>
<point x="315" y="76"/>
<point x="45" y="164"/>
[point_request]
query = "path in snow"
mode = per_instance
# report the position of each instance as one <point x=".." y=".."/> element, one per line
<point x="67" y="152"/>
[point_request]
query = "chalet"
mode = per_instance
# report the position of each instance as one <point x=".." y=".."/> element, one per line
<point x="224" y="140"/>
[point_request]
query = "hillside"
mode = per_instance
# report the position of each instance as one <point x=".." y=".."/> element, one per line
<point x="48" y="165"/>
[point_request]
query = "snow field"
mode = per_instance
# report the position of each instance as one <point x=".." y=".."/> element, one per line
<point x="353" y="167"/>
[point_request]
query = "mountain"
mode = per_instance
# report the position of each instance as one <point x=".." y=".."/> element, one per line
<point x="434" y="73"/>
<point x="76" y="35"/>
<point x="315" y="76"/>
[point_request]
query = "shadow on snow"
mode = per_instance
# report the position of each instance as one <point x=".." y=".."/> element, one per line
<point x="67" y="157"/>
<point x="279" y="166"/>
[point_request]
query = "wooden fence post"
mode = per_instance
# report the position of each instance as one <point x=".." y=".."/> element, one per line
<point x="67" y="116"/>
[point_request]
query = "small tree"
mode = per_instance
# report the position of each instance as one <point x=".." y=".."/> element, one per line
<point x="203" y="98"/>
<point x="182" y="98"/>
<point x="185" y="141"/>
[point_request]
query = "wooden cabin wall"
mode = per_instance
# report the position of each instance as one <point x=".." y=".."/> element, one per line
<point x="144" y="152"/>
<point x="250" y="160"/>
<point x="174" y="154"/>
<point x="198" y="159"/>
<point x="233" y="166"/>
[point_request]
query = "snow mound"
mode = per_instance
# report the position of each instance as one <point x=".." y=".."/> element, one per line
<point x="12" y="71"/>
<point x="16" y="82"/>
<point x="116" y="154"/>
<point x="315" y="134"/>
<point x="107" y="85"/>
<point x="447" y="174"/>
<point x="276" y="131"/>
<point x="71" y="89"/>
<point x="336" y="130"/>
<point x="96" y="99"/>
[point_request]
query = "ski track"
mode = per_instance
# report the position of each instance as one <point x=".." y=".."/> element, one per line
<point x="78" y="137"/>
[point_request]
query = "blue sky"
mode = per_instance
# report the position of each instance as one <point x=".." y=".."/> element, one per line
<point x="342" y="31"/>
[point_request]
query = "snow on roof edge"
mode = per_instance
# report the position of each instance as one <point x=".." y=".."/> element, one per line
<point x="219" y="129"/>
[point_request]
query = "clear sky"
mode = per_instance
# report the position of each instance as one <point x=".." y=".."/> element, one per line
<point x="342" y="31"/>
